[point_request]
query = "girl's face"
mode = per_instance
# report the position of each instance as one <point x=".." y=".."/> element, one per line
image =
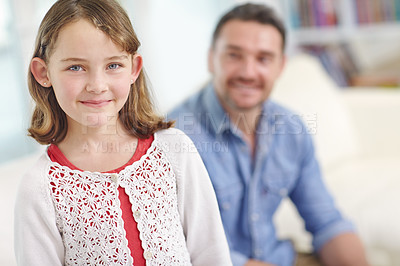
<point x="91" y="76"/>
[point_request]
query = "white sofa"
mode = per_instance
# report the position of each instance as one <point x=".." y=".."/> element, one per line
<point x="358" y="143"/>
<point x="10" y="175"/>
<point x="357" y="137"/>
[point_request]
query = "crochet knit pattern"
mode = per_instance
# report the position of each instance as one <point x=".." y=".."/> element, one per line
<point x="89" y="216"/>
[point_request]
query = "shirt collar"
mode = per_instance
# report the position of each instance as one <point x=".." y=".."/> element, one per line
<point x="220" y="121"/>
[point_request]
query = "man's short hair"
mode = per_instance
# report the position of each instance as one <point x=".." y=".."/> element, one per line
<point x="252" y="12"/>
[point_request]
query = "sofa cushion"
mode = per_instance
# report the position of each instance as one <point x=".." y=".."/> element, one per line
<point x="306" y="88"/>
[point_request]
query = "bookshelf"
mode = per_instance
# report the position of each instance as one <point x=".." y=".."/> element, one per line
<point x="325" y="27"/>
<point x="321" y="21"/>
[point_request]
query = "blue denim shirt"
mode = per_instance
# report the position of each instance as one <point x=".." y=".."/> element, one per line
<point x="249" y="189"/>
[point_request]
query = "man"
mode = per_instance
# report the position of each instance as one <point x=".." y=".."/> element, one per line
<point x="256" y="151"/>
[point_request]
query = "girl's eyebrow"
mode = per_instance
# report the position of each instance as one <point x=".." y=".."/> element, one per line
<point x="77" y="59"/>
<point x="118" y="57"/>
<point x="73" y="59"/>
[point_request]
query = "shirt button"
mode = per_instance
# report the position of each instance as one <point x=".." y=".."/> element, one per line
<point x="258" y="252"/>
<point x="255" y="217"/>
<point x="147" y="255"/>
<point x="137" y="214"/>
<point x="283" y="192"/>
<point x="226" y="206"/>
<point x="114" y="178"/>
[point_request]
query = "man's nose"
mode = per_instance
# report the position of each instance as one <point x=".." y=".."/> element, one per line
<point x="248" y="68"/>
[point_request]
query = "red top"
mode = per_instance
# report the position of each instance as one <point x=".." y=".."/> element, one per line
<point x="130" y="225"/>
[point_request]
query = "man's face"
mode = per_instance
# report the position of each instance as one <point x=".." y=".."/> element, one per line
<point x="245" y="61"/>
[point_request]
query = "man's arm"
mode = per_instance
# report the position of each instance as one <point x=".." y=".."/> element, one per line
<point x="344" y="249"/>
<point x="333" y="235"/>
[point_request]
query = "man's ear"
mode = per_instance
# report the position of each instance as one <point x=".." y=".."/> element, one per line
<point x="210" y="60"/>
<point x="39" y="71"/>
<point x="283" y="64"/>
<point x="137" y="64"/>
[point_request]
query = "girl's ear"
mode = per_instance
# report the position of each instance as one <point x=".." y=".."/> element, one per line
<point x="39" y="71"/>
<point x="137" y="64"/>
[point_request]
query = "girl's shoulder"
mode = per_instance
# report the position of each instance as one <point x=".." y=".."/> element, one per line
<point x="179" y="149"/>
<point x="33" y="189"/>
<point x="174" y="140"/>
<point x="38" y="170"/>
<point x="171" y="135"/>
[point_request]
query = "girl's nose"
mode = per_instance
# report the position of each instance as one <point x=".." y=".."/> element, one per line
<point x="97" y="84"/>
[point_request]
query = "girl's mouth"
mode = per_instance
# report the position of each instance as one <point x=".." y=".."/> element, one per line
<point x="95" y="103"/>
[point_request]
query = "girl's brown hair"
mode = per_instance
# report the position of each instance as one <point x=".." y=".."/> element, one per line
<point x="49" y="122"/>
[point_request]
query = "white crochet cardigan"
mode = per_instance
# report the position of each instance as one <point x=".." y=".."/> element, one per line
<point x="70" y="217"/>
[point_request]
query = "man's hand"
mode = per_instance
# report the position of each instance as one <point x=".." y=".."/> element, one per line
<point x="257" y="263"/>
<point x="345" y="250"/>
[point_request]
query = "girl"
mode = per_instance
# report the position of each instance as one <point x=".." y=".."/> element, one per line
<point x="117" y="185"/>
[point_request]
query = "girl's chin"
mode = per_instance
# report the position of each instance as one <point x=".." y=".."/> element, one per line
<point x="93" y="121"/>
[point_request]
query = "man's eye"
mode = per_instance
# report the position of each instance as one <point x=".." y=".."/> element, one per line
<point x="266" y="59"/>
<point x="75" y="68"/>
<point x="234" y="55"/>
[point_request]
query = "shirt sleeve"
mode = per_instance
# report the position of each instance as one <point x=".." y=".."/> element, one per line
<point x="37" y="239"/>
<point x="238" y="259"/>
<point x="197" y="203"/>
<point x="315" y="203"/>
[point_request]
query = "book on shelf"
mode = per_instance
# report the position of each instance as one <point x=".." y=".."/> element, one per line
<point x="337" y="60"/>
<point x="323" y="13"/>
<point x="313" y="13"/>
<point x="376" y="11"/>
<point x="341" y="65"/>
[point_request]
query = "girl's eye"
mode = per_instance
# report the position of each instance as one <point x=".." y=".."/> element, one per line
<point x="75" y="68"/>
<point x="114" y="66"/>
